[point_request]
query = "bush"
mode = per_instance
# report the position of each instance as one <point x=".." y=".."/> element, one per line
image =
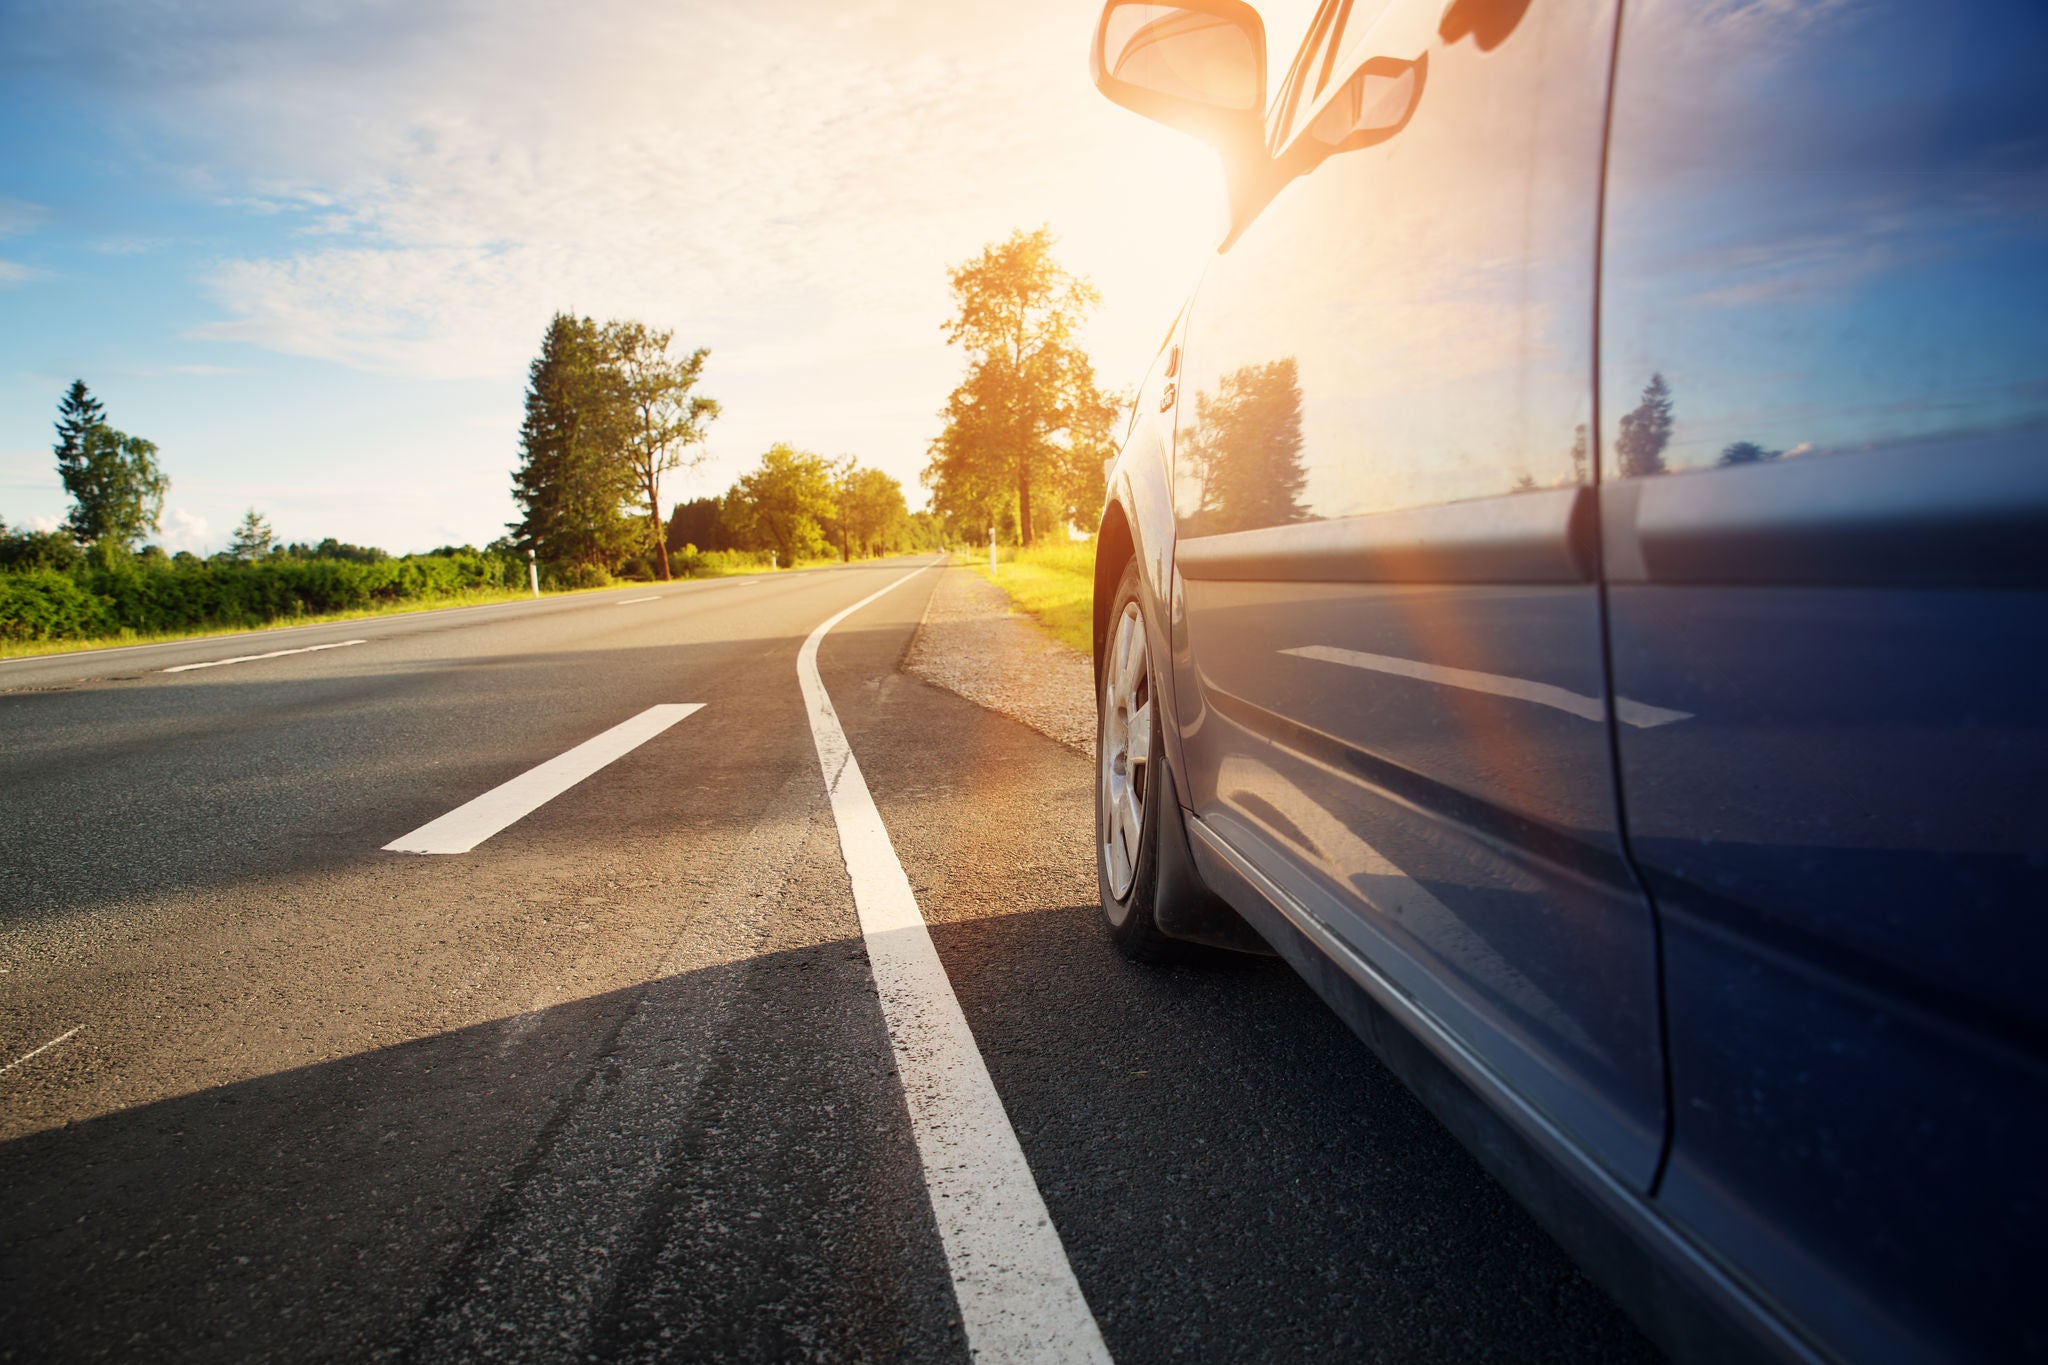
<point x="573" y="577"/>
<point x="42" y="604"/>
<point x="39" y="550"/>
<point x="107" y="594"/>
<point x="691" y="562"/>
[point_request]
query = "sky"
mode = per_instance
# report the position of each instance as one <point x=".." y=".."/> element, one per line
<point x="310" y="250"/>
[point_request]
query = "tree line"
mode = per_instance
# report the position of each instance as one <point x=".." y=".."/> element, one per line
<point x="611" y="410"/>
<point x="97" y="577"/>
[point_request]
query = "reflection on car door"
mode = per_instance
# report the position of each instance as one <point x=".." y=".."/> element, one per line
<point x="1388" y="655"/>
<point x="1825" y="402"/>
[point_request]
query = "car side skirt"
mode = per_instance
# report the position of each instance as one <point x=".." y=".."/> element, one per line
<point x="1690" y="1305"/>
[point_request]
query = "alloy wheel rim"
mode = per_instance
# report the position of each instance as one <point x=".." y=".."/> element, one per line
<point x="1126" y="750"/>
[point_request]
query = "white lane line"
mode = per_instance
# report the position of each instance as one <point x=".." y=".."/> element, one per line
<point x="1639" y="714"/>
<point x="37" y="1051"/>
<point x="1018" y="1297"/>
<point x="469" y="824"/>
<point x="273" y="654"/>
<point x="629" y="601"/>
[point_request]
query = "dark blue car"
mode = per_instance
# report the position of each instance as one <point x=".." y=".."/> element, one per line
<point x="1574" y="587"/>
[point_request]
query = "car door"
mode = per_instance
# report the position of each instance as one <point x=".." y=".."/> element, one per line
<point x="1825" y="410"/>
<point x="1389" y="669"/>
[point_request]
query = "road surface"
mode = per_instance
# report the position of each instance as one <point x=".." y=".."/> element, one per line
<point x="617" y="1083"/>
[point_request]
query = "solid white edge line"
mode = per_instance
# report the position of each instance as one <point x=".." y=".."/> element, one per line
<point x="1018" y="1298"/>
<point x="33" y="1052"/>
<point x="1628" y="711"/>
<point x="273" y="654"/>
<point x="629" y="601"/>
<point x="474" y="821"/>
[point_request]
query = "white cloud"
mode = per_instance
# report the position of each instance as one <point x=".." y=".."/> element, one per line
<point x="44" y="523"/>
<point x="14" y="272"/>
<point x="786" y="184"/>
<point x="183" y="530"/>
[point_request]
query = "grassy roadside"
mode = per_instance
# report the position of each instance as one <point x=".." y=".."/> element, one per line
<point x="1053" y="582"/>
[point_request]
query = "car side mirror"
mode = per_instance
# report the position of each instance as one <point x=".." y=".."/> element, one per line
<point x="1195" y="65"/>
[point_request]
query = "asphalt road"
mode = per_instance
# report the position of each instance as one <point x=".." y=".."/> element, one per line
<point x="617" y="1083"/>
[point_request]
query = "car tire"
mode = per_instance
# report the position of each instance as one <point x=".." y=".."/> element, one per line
<point x="1130" y="781"/>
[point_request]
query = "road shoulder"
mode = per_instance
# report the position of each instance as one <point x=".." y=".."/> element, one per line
<point x="974" y="644"/>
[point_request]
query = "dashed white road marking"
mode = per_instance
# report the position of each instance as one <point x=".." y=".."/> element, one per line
<point x="629" y="601"/>
<point x="273" y="654"/>
<point x="1018" y="1297"/>
<point x="1641" y="715"/>
<point x="33" y="1052"/>
<point x="469" y="824"/>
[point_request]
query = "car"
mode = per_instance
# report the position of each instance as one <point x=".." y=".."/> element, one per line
<point x="1573" y="586"/>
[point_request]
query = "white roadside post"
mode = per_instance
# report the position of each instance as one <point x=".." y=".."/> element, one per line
<point x="533" y="572"/>
<point x="991" y="552"/>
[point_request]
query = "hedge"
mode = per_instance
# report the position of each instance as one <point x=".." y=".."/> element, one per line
<point x="151" y="596"/>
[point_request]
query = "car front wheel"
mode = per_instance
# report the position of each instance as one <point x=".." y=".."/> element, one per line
<point x="1128" y="781"/>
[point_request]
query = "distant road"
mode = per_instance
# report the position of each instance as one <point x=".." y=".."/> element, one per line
<point x="616" y="1081"/>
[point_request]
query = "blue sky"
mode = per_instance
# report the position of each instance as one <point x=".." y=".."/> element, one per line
<point x="309" y="251"/>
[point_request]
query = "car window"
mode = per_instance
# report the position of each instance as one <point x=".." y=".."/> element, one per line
<point x="1825" y="229"/>
<point x="1411" y="323"/>
<point x="1301" y="72"/>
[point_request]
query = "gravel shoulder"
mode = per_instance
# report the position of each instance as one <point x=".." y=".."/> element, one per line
<point x="974" y="643"/>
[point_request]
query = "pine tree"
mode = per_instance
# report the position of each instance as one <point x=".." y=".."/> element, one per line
<point x="253" y="538"/>
<point x="77" y="413"/>
<point x="570" y="483"/>
<point x="1646" y="431"/>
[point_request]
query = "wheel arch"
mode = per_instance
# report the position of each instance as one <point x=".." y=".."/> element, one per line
<point x="1114" y="548"/>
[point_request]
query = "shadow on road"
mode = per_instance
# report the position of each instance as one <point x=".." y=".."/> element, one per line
<point x="1234" y="1177"/>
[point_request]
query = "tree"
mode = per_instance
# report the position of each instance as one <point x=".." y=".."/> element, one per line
<point x="784" y="504"/>
<point x="664" y="418"/>
<point x="116" y="486"/>
<point x="1747" y="452"/>
<point x="699" y="522"/>
<point x="873" y="517"/>
<point x="117" y="490"/>
<point x="77" y="413"/>
<point x="1028" y="412"/>
<point x="27" y="549"/>
<point x="971" y="491"/>
<point x="570" y="483"/>
<point x="1646" y="431"/>
<point x="252" y="539"/>
<point x="330" y="548"/>
<point x="1245" y="448"/>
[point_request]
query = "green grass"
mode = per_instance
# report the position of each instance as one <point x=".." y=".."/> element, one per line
<point x="1053" y="582"/>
